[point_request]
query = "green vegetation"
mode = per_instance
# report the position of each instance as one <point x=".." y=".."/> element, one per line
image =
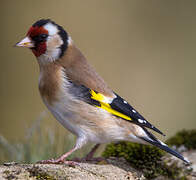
<point x="149" y="159"/>
<point x="184" y="137"/>
<point x="143" y="157"/>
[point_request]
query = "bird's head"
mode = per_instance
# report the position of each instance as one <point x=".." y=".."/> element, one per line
<point x="47" y="40"/>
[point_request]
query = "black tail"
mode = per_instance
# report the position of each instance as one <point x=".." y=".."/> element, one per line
<point x="154" y="141"/>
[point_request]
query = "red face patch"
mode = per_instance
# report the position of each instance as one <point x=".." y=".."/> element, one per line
<point x="36" y="31"/>
<point x="40" y="47"/>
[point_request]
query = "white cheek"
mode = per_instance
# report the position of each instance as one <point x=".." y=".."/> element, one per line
<point x="49" y="56"/>
<point x="53" y="46"/>
<point x="55" y="53"/>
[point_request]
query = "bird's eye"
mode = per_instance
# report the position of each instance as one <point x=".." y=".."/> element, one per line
<point x="40" y="38"/>
<point x="43" y="36"/>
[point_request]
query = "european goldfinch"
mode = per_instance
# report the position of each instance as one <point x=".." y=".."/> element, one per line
<point x="79" y="98"/>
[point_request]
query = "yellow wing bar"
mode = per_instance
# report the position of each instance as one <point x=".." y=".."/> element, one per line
<point x="100" y="98"/>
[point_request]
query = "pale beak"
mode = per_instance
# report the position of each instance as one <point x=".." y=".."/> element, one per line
<point x="26" y="42"/>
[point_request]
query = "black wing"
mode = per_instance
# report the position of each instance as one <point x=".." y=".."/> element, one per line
<point x="120" y="105"/>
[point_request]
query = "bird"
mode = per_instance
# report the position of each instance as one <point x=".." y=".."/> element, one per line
<point x="79" y="98"/>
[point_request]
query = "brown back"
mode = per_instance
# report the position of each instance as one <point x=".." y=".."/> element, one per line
<point x="80" y="71"/>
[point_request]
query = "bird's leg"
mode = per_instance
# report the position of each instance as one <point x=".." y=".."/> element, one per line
<point x="79" y="143"/>
<point x="89" y="156"/>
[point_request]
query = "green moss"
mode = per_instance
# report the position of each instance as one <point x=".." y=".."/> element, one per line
<point x="143" y="157"/>
<point x="184" y="137"/>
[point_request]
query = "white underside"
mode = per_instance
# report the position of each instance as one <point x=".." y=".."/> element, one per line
<point x="68" y="119"/>
<point x="75" y="124"/>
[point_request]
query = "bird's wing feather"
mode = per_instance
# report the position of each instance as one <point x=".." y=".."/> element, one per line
<point x="119" y="107"/>
<point x="116" y="106"/>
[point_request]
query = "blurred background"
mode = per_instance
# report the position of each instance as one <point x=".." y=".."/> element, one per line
<point x="145" y="50"/>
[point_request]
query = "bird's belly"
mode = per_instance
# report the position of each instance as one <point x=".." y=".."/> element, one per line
<point x="61" y="111"/>
<point x="91" y="124"/>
